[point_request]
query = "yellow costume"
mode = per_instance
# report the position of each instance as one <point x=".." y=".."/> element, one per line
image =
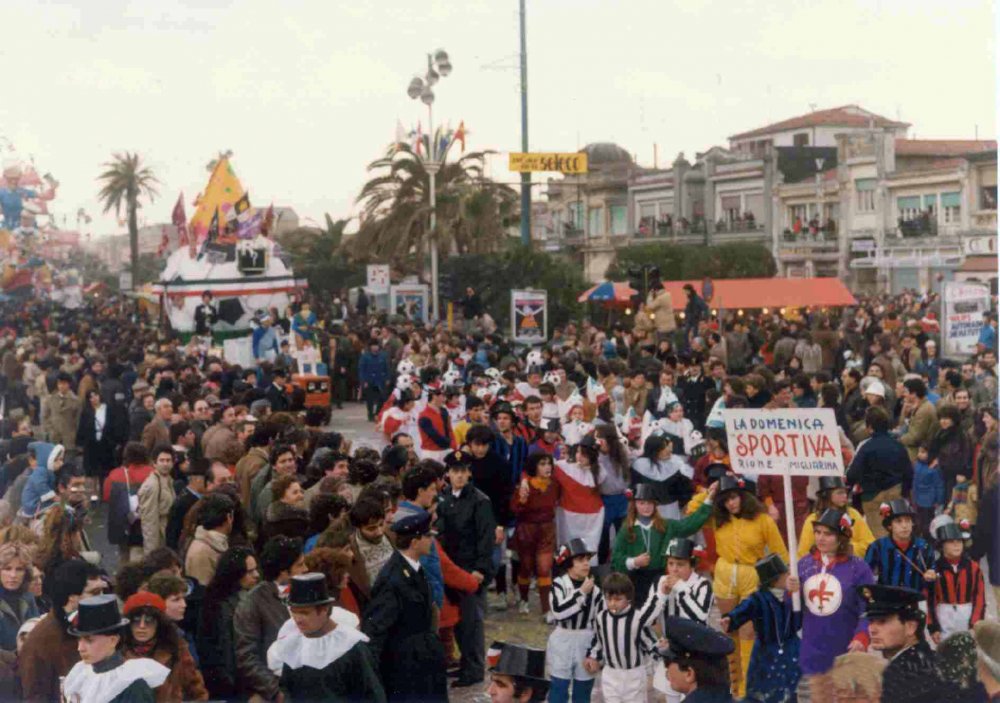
<point x="861" y="534"/>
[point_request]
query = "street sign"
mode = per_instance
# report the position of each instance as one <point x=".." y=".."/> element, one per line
<point x="573" y="163"/>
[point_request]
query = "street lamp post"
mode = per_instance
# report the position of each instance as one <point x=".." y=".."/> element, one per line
<point x="438" y="66"/>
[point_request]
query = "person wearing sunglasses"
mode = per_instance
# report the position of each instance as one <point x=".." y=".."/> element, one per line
<point x="151" y="634"/>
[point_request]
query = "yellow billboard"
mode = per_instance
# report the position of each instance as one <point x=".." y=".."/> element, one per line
<point x="575" y="162"/>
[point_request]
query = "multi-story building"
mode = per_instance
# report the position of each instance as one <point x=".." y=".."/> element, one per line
<point x="894" y="213"/>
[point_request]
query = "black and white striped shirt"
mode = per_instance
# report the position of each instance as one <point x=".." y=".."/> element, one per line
<point x="573" y="609"/>
<point x="691" y="599"/>
<point x="622" y="640"/>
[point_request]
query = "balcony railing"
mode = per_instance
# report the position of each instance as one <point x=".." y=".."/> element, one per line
<point x="740" y="225"/>
<point x="919" y="227"/>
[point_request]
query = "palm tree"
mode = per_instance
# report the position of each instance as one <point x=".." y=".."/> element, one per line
<point x="125" y="180"/>
<point x="473" y="212"/>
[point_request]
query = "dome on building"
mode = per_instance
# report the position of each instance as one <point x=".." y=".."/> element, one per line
<point x="606" y="154"/>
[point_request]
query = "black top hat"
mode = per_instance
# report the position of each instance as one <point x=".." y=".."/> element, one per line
<point x="646" y="491"/>
<point x="692" y="640"/>
<point x="458" y="459"/>
<point x="898" y="507"/>
<point x="714" y="472"/>
<point x="97" y="615"/>
<point x="520" y="662"/>
<point x="503" y="408"/>
<point x="576" y="547"/>
<point x="880" y="601"/>
<point x="416" y="524"/>
<point x="731" y="482"/>
<point x="836" y="520"/>
<point x="681" y="548"/>
<point x="676" y="443"/>
<point x="588" y="442"/>
<point x="553" y="425"/>
<point x="769" y="568"/>
<point x="950" y="531"/>
<point x="829" y="483"/>
<point x="307" y="590"/>
<point x="404" y="398"/>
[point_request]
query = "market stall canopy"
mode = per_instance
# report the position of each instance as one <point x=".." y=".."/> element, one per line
<point x="775" y="293"/>
<point x="607" y="292"/>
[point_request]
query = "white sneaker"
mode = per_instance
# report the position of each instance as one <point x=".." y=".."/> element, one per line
<point x="523" y="607"/>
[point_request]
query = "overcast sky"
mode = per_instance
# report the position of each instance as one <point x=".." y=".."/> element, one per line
<point x="306" y="93"/>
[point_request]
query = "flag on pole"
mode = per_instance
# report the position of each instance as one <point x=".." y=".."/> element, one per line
<point x="179" y="219"/>
<point x="420" y="140"/>
<point x="164" y="241"/>
<point x="268" y="222"/>
<point x="460" y="135"/>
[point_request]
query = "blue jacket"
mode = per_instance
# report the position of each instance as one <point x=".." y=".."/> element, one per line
<point x="928" y="486"/>
<point x="880" y="463"/>
<point x="373" y="369"/>
<point x="11" y="618"/>
<point x="41" y="480"/>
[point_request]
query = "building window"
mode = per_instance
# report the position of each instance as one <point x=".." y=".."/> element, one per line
<point x="865" y="189"/>
<point x="646" y="219"/>
<point x="575" y="216"/>
<point x="801" y="139"/>
<point x="988" y="198"/>
<point x="619" y="219"/>
<point x="951" y="207"/>
<point x="908" y="208"/>
<point x="596" y="222"/>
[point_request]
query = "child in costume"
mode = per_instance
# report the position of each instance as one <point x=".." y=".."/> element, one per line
<point x="773" y="674"/>
<point x="534" y="508"/>
<point x="575" y="598"/>
<point x="958" y="597"/>
<point x="900" y="558"/>
<point x="640" y="547"/>
<point x="832" y="621"/>
<point x="580" y="512"/>
<point x="832" y="493"/>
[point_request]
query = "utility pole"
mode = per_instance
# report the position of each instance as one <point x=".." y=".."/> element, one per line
<point x="525" y="177"/>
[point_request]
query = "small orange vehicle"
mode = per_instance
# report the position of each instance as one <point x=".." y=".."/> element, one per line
<point x="317" y="389"/>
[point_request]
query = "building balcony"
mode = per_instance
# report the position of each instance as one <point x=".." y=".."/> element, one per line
<point x="807" y="246"/>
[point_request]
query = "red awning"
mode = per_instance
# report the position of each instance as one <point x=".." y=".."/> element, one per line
<point x="732" y="293"/>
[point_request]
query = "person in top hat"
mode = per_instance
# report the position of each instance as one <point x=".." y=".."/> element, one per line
<point x="743" y="530"/>
<point x="987" y="636"/>
<point x="102" y="675"/>
<point x="773" y="674"/>
<point x="575" y="596"/>
<point x="640" y="546"/>
<point x="958" y="597"/>
<point x="831" y="618"/>
<point x="896" y="628"/>
<point x="206" y="314"/>
<point x="696" y="661"/>
<point x="519" y="675"/>
<point x="321" y="659"/>
<point x="399" y="619"/>
<point x="833" y="493"/>
<point x="900" y="558"/>
<point x="690" y="598"/>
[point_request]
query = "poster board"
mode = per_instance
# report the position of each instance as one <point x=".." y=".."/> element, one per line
<point x="410" y="300"/>
<point x="529" y="316"/>
<point x="377" y="279"/>
<point x="795" y="442"/>
<point x="963" y="305"/>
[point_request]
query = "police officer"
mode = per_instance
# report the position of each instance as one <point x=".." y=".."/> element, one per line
<point x="696" y="658"/>
<point x="896" y="628"/>
<point x="399" y="618"/>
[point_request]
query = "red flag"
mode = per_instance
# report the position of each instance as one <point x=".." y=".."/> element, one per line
<point x="179" y="220"/>
<point x="164" y="241"/>
<point x="460" y="135"/>
<point x="265" y="228"/>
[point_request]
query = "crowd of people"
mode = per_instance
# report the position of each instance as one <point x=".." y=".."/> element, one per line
<point x="586" y="483"/>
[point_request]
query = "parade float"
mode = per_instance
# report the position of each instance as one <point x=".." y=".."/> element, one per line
<point x="34" y="252"/>
<point x="225" y="250"/>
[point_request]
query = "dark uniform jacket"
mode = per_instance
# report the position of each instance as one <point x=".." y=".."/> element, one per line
<point x="399" y="622"/>
<point x="467" y="530"/>
<point x="911" y="677"/>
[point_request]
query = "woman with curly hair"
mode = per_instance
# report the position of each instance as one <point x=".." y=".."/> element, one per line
<point x="150" y="634"/>
<point x="235" y="574"/>
<point x="62" y="539"/>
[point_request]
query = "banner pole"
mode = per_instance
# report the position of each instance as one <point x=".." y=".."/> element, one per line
<point x="793" y="547"/>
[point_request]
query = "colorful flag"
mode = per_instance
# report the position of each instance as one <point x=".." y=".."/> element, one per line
<point x="179" y="219"/>
<point x="459" y="135"/>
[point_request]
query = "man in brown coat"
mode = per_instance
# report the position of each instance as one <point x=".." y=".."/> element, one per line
<point x="50" y="651"/>
<point x="252" y="462"/>
<point x="157" y="430"/>
<point x="61" y="414"/>
<point x="211" y="539"/>
<point x="220" y="442"/>
<point x="921" y="415"/>
<point x="661" y="308"/>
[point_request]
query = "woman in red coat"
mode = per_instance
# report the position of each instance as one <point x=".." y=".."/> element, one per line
<point x="455" y="579"/>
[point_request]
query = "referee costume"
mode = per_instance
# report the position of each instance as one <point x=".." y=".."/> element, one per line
<point x="574" y="613"/>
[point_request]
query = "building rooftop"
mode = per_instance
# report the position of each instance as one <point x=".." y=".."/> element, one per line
<point x="844" y="116"/>
<point x="606" y="153"/>
<point x="943" y="147"/>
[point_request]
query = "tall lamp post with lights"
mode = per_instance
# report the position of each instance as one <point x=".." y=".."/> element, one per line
<point x="438" y="66"/>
